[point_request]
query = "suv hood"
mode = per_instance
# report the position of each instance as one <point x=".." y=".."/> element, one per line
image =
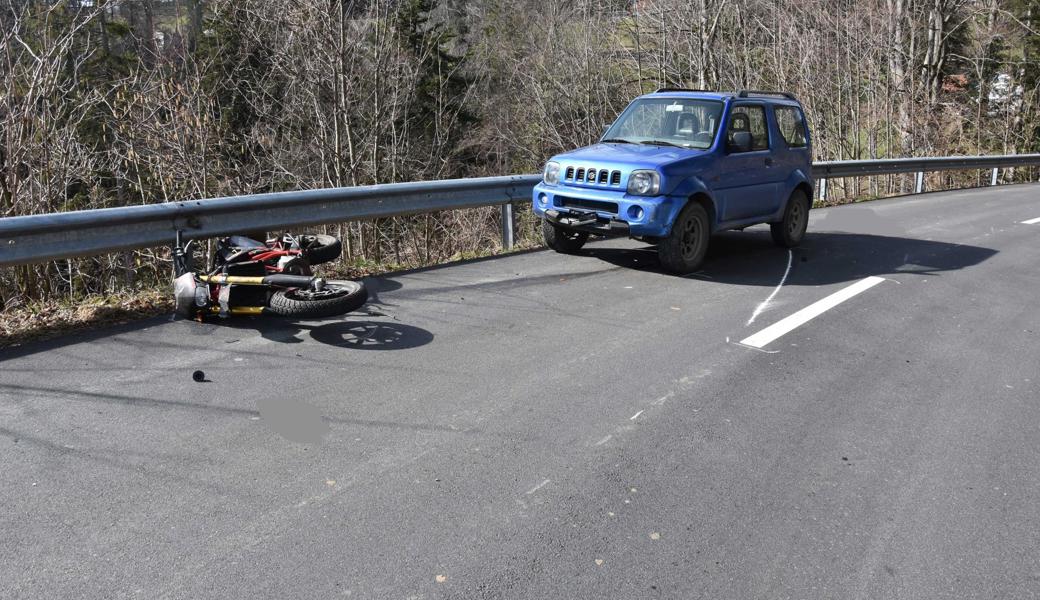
<point x="635" y="156"/>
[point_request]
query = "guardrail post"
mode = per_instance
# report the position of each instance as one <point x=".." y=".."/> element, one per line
<point x="823" y="190"/>
<point x="507" y="226"/>
<point x="993" y="178"/>
<point x="919" y="183"/>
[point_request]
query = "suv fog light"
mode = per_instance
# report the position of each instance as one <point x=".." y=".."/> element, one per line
<point x="635" y="212"/>
<point x="543" y="199"/>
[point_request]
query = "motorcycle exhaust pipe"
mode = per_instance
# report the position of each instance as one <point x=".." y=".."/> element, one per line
<point x="294" y="281"/>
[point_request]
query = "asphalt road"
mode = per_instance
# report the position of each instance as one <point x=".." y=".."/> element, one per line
<point x="546" y="426"/>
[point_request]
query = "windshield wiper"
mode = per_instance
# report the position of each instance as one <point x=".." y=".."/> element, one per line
<point x="616" y="141"/>
<point x="660" y="143"/>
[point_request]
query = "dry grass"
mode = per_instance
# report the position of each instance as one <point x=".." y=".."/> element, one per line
<point x="49" y="319"/>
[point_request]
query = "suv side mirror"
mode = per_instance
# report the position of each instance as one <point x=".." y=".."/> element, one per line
<point x="741" y="141"/>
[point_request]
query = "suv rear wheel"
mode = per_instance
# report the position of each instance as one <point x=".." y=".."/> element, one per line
<point x="790" y="232"/>
<point x="683" y="250"/>
<point x="565" y="241"/>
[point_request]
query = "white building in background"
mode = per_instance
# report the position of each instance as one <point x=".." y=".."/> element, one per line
<point x="1004" y="94"/>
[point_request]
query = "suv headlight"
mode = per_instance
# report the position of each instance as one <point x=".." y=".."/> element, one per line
<point x="644" y="183"/>
<point x="551" y="175"/>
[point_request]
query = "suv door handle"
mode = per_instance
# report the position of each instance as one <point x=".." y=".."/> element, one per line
<point x="769" y="161"/>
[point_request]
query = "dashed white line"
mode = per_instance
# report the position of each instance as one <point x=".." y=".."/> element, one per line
<point x="603" y="441"/>
<point x="1031" y="221"/>
<point x="537" y="487"/>
<point x="761" y="307"/>
<point x="788" y="324"/>
<point x="636" y="416"/>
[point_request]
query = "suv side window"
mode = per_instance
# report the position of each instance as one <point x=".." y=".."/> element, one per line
<point x="751" y="118"/>
<point x="792" y="126"/>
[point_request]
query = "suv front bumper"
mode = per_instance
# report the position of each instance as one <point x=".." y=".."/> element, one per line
<point x="587" y="221"/>
<point x="617" y="213"/>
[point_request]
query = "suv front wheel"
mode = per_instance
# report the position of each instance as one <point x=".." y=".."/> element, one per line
<point x="683" y="250"/>
<point x="564" y="241"/>
<point x="790" y="232"/>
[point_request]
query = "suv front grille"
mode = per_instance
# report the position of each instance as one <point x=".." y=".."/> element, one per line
<point x="597" y="205"/>
<point x="587" y="176"/>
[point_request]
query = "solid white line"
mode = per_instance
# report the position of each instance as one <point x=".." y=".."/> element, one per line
<point x="1031" y="221"/>
<point x="808" y="313"/>
<point x="761" y="307"/>
<point x="537" y="487"/>
<point x="635" y="416"/>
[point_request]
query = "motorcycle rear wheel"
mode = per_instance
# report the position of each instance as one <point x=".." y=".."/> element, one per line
<point x="337" y="298"/>
<point x="320" y="248"/>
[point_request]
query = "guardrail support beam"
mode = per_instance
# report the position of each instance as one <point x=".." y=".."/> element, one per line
<point x="993" y="178"/>
<point x="823" y="190"/>
<point x="507" y="226"/>
<point x="919" y="182"/>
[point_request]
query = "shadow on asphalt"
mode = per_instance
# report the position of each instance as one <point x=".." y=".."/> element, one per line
<point x="349" y="333"/>
<point x="356" y="335"/>
<point x="105" y="331"/>
<point x="751" y="258"/>
<point x="378" y="285"/>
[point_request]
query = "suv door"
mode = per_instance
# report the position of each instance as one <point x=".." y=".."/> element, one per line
<point x="794" y="139"/>
<point x="746" y="183"/>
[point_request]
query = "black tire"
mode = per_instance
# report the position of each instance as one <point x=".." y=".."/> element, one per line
<point x="564" y="241"/>
<point x="320" y="248"/>
<point x="789" y="232"/>
<point x="683" y="249"/>
<point x="338" y="297"/>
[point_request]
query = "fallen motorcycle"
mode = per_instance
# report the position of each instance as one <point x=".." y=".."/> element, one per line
<point x="248" y="277"/>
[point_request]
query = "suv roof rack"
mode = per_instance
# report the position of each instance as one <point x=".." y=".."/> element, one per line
<point x="746" y="93"/>
<point x="679" y="89"/>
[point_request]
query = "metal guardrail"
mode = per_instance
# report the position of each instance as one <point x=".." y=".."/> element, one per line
<point x="39" y="238"/>
<point x="823" y="171"/>
<point x="891" y="166"/>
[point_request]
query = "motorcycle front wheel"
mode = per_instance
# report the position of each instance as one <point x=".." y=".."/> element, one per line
<point x="336" y="298"/>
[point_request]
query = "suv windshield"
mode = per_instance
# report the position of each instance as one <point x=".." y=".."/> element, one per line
<point x="686" y="122"/>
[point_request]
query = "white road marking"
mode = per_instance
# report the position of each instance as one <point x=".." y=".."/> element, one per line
<point x="663" y="399"/>
<point x="603" y="441"/>
<point x="761" y="307"/>
<point x="635" y="416"/>
<point x="788" y="324"/>
<point x="537" y="487"/>
<point x="1031" y="221"/>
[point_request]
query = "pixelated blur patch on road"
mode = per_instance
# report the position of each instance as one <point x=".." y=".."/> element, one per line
<point x="294" y="420"/>
<point x="858" y="219"/>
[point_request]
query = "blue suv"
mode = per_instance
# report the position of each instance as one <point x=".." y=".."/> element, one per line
<point x="679" y="165"/>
